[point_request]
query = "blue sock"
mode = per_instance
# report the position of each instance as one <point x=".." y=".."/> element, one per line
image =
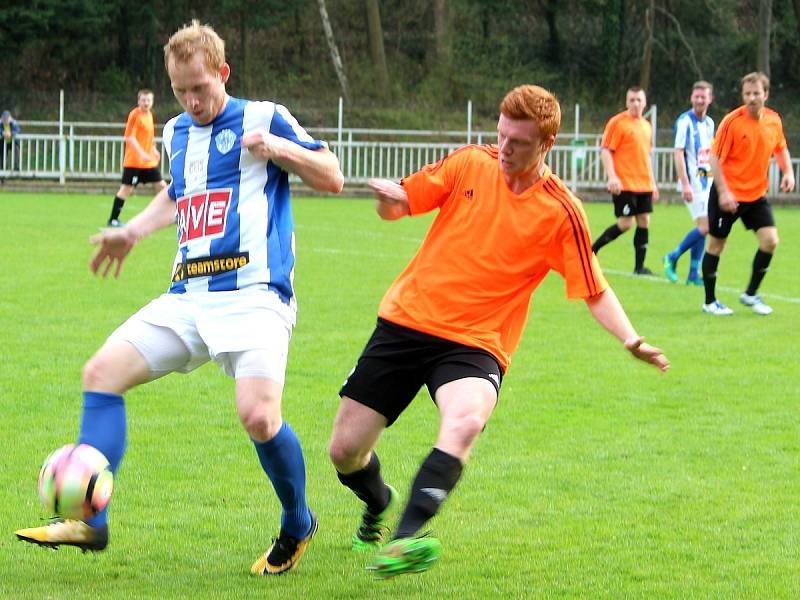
<point x="696" y="257"/>
<point x="282" y="461"/>
<point x="104" y="426"/>
<point x="686" y="243"/>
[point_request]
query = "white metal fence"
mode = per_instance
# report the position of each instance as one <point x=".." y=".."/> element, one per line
<point x="363" y="153"/>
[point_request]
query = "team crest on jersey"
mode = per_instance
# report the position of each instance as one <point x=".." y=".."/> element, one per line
<point x="225" y="140"/>
<point x="203" y="215"/>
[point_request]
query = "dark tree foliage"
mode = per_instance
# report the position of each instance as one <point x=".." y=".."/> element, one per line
<point x="439" y="55"/>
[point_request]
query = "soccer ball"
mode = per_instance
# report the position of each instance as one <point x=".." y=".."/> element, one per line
<point x="75" y="482"/>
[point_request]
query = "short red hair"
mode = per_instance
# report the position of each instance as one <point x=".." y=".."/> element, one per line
<point x="536" y="104"/>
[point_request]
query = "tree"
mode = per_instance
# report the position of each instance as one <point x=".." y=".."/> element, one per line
<point x="334" y="50"/>
<point x="441" y="32"/>
<point x="613" y="28"/>
<point x="376" y="49"/>
<point x="250" y="19"/>
<point x="553" y="39"/>
<point x="647" y="52"/>
<point x="764" y="33"/>
<point x="796" y="6"/>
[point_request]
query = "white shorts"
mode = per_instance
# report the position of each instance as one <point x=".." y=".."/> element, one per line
<point x="246" y="332"/>
<point x="698" y="207"/>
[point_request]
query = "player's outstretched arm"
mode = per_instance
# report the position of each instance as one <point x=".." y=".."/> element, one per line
<point x="391" y="200"/>
<point x="114" y="245"/>
<point x="318" y="169"/>
<point x="607" y="311"/>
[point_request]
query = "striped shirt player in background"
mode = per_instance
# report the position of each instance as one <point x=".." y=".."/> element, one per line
<point x="694" y="131"/>
<point x="141" y="161"/>
<point x="625" y="153"/>
<point x="231" y="298"/>
<point x="746" y="140"/>
<point x="454" y="316"/>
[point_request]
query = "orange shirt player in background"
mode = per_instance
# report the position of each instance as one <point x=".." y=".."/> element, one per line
<point x="746" y="140"/>
<point x="455" y="315"/>
<point x="141" y="162"/>
<point x="625" y="153"/>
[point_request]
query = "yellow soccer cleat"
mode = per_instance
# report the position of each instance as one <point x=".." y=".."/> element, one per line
<point x="284" y="554"/>
<point x="67" y="532"/>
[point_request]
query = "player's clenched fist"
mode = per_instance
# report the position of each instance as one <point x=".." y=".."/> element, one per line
<point x="264" y="145"/>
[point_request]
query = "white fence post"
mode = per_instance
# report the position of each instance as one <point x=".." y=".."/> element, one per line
<point x="62" y="146"/>
<point x="469" y="121"/>
<point x="339" y="127"/>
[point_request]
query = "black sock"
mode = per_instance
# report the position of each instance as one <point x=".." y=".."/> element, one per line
<point x="760" y="268"/>
<point x="710" y="263"/>
<point x="609" y="235"/>
<point x="435" y="479"/>
<point x="368" y="485"/>
<point x="117" y="208"/>
<point x="641" y="237"/>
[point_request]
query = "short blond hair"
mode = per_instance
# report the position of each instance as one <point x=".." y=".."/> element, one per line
<point x="193" y="38"/>
<point x="757" y="77"/>
<point x="534" y="103"/>
<point x="702" y="85"/>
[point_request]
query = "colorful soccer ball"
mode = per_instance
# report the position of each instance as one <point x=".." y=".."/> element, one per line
<point x="75" y="482"/>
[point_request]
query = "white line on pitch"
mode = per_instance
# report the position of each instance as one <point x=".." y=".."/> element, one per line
<point x="721" y="288"/>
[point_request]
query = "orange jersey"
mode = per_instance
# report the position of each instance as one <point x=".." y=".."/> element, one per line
<point x="486" y="252"/>
<point x="140" y="126"/>
<point x="744" y="146"/>
<point x="630" y="140"/>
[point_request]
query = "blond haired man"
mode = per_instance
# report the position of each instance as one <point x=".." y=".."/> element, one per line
<point x="231" y="297"/>
<point x="694" y="130"/>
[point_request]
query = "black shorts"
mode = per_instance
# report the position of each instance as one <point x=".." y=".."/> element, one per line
<point x="629" y="204"/>
<point x="397" y="361"/>
<point x="133" y="176"/>
<point x="754" y="215"/>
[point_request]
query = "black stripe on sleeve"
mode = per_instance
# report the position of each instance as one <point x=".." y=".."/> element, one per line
<point x="579" y="231"/>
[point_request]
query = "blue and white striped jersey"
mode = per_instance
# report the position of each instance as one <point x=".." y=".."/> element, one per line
<point x="695" y="137"/>
<point x="234" y="219"/>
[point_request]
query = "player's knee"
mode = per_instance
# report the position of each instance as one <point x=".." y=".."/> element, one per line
<point x="770" y="244"/>
<point x="345" y="456"/>
<point x="95" y="373"/>
<point x="465" y="428"/>
<point x="715" y="245"/>
<point x="624" y="225"/>
<point x="259" y="423"/>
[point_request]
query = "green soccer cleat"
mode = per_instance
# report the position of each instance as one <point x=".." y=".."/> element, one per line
<point x="406" y="555"/>
<point x="66" y="532"/>
<point x="285" y="552"/>
<point x="374" y="528"/>
<point x="669" y="269"/>
<point x="697" y="281"/>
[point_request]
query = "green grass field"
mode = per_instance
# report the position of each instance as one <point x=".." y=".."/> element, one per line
<point x="597" y="477"/>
